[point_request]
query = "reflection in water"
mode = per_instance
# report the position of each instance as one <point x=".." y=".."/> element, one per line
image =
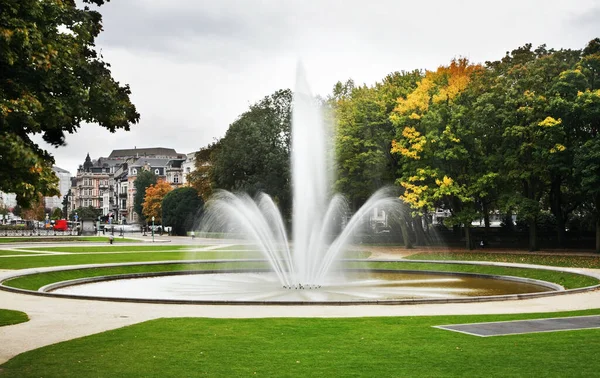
<point x="353" y="286"/>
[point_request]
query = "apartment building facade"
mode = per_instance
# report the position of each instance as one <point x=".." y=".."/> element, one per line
<point x="108" y="183"/>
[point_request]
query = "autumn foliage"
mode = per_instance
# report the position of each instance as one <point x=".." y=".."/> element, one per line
<point x="153" y="199"/>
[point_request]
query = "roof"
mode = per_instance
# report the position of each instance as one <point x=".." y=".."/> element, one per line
<point x="59" y="170"/>
<point x="152" y="151"/>
<point x="152" y="162"/>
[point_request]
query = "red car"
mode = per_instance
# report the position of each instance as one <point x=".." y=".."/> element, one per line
<point x="61" y="225"/>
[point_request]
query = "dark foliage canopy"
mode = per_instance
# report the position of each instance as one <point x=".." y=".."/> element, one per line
<point x="181" y="208"/>
<point x="51" y="81"/>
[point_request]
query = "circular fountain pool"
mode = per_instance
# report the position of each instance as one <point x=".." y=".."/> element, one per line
<point x="263" y="287"/>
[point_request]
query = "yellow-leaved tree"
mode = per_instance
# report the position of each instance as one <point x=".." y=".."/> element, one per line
<point x="153" y="199"/>
<point x="438" y="145"/>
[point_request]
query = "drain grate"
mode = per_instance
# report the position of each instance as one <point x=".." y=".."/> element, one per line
<point x="517" y="327"/>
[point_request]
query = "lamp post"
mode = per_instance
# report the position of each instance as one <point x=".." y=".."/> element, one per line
<point x="152" y="229"/>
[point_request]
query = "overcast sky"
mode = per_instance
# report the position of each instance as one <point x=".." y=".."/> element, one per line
<point x="195" y="65"/>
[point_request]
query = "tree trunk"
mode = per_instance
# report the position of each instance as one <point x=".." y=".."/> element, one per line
<point x="560" y="230"/>
<point x="486" y="222"/>
<point x="419" y="232"/>
<point x="468" y="237"/>
<point x="405" y="234"/>
<point x="556" y="206"/>
<point x="533" y="238"/>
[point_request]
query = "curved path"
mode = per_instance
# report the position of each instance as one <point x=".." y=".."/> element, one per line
<point x="54" y="320"/>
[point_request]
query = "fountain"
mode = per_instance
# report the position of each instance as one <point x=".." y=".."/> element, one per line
<point x="314" y="251"/>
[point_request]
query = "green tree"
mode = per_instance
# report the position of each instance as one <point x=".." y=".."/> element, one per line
<point x="364" y="133"/>
<point x="538" y="137"/>
<point x="51" y="80"/>
<point x="587" y="157"/>
<point x="254" y="154"/>
<point x="143" y="180"/>
<point x="181" y="208"/>
<point x="587" y="167"/>
<point x="88" y="212"/>
<point x="56" y="213"/>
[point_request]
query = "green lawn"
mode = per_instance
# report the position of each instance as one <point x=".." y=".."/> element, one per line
<point x="15" y="252"/>
<point x="568" y="280"/>
<point x="9" y="317"/>
<point x="319" y="347"/>
<point x="113" y="248"/>
<point x="523" y="258"/>
<point x="104" y="258"/>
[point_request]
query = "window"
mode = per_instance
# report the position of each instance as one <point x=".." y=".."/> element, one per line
<point x="134" y="171"/>
<point x="176" y="179"/>
<point x="156" y="172"/>
<point x="188" y="169"/>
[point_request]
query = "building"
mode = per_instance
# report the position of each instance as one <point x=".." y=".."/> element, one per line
<point x="64" y="184"/>
<point x="188" y="166"/>
<point x="93" y="185"/>
<point x="107" y="183"/>
<point x="8" y="200"/>
<point x="167" y="169"/>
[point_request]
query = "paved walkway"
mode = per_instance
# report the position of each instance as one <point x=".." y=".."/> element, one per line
<point x="54" y="320"/>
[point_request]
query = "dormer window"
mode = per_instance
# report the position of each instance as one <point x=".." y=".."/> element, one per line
<point x="156" y="172"/>
<point x="134" y="171"/>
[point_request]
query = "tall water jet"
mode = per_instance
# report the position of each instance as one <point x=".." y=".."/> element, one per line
<point x="316" y="211"/>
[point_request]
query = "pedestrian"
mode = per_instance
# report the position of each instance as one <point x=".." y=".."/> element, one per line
<point x="193" y="235"/>
<point x="111" y="238"/>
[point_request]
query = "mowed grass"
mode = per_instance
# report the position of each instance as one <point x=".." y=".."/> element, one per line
<point x="23" y="262"/>
<point x="61" y="239"/>
<point x="522" y="258"/>
<point x="114" y="248"/>
<point x="15" y="252"/>
<point x="10" y="317"/>
<point x="319" y="347"/>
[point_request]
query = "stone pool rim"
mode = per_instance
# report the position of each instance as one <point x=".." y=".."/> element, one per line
<point x="556" y="289"/>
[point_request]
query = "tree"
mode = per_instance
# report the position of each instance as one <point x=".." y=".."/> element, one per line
<point x="364" y="134"/>
<point x="200" y="178"/>
<point x="56" y="213"/>
<point x="65" y="204"/>
<point x="587" y="157"/>
<point x="36" y="210"/>
<point x="143" y="180"/>
<point x="84" y="213"/>
<point x="153" y="198"/>
<point x="51" y="80"/>
<point x="181" y="208"/>
<point x="254" y="154"/>
<point x="440" y="147"/>
<point x="539" y="133"/>
<point x="587" y="167"/>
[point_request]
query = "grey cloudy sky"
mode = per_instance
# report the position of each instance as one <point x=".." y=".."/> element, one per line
<point x="195" y="65"/>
